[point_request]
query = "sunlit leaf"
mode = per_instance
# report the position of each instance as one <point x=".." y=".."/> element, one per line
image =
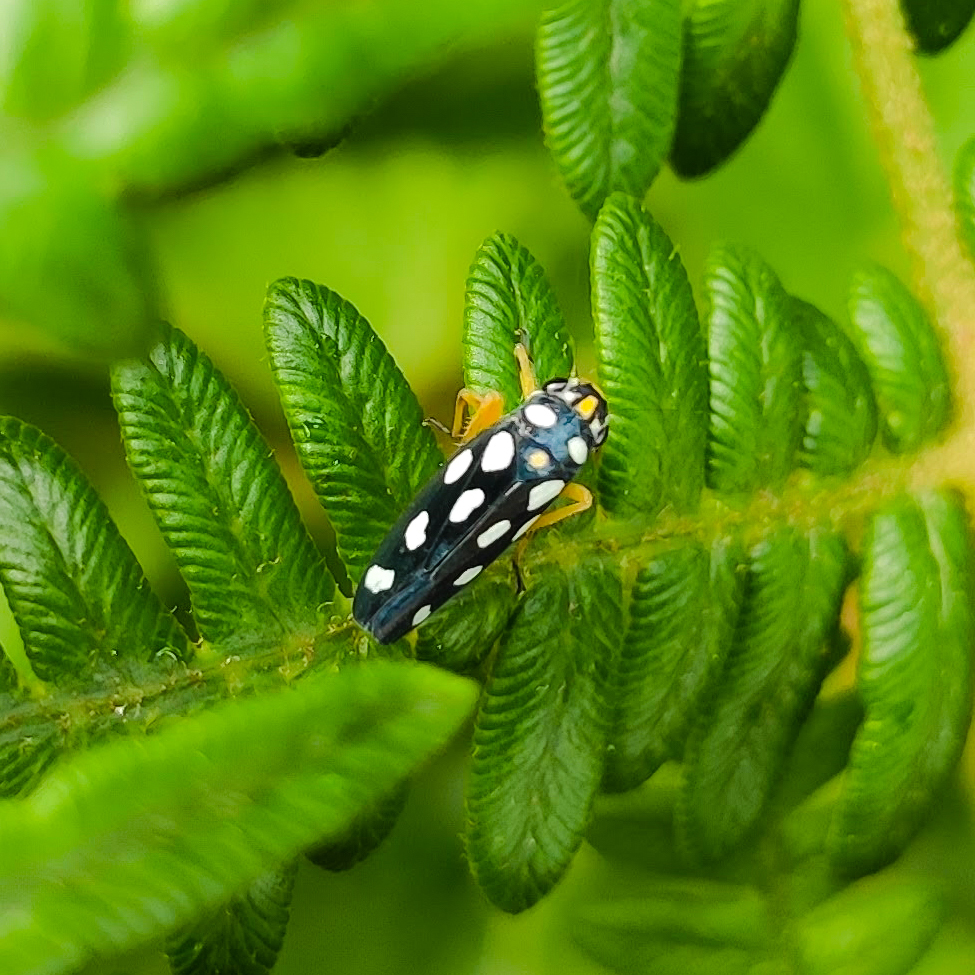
<point x="132" y="840"/>
<point x="198" y="70"/>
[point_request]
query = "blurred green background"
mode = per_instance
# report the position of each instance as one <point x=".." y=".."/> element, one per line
<point x="391" y="220"/>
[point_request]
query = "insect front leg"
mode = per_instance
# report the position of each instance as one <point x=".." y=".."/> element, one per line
<point x="484" y="412"/>
<point x="526" y="372"/>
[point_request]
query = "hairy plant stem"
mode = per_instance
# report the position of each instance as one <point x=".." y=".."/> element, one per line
<point x="944" y="279"/>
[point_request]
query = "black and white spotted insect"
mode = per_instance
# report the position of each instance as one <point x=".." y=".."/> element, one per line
<point x="493" y="490"/>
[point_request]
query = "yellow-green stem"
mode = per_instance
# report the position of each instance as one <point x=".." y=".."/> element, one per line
<point x="944" y="278"/>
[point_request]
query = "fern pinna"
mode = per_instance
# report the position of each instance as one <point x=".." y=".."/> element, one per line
<point x="680" y="633"/>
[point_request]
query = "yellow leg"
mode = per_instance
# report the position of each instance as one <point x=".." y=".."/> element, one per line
<point x="526" y="373"/>
<point x="484" y="410"/>
<point x="579" y="498"/>
<point x="488" y="409"/>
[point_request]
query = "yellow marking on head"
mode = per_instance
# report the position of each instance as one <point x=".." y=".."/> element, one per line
<point x="538" y="459"/>
<point x="587" y="407"/>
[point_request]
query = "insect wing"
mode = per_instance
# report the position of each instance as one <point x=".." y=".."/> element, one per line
<point x="506" y="519"/>
<point x="449" y="508"/>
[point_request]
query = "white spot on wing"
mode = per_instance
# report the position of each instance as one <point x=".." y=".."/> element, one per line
<point x="467" y="575"/>
<point x="542" y="493"/>
<point x="521" y="531"/>
<point x="499" y="452"/>
<point x="578" y="450"/>
<point x="465" y="504"/>
<point x="420" y="615"/>
<point x="458" y="466"/>
<point x="416" y="531"/>
<point x="493" y="533"/>
<point x="540" y="415"/>
<point x="377" y="579"/>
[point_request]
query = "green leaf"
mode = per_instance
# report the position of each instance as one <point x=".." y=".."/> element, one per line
<point x="72" y="262"/>
<point x="461" y="634"/>
<point x="735" y="54"/>
<point x="26" y="752"/>
<point x="608" y="75"/>
<point x="964" y="186"/>
<point x="757" y="409"/>
<point x="821" y="749"/>
<point x="295" y="77"/>
<point x="915" y="675"/>
<point x="28" y="742"/>
<point x="878" y="926"/>
<point x="950" y="953"/>
<point x="903" y="355"/>
<point x="356" y="424"/>
<point x="75" y="589"/>
<point x="362" y="835"/>
<point x="9" y="682"/>
<point x="783" y="650"/>
<point x="184" y="28"/>
<point x="509" y="300"/>
<point x="936" y="24"/>
<point x="243" y="936"/>
<point x="134" y="839"/>
<point x="683" y="608"/>
<point x="652" y="365"/>
<point x="540" y="735"/>
<point x="685" y="927"/>
<point x="219" y="497"/>
<point x="57" y="53"/>
<point x="841" y="413"/>
<point x="635" y="829"/>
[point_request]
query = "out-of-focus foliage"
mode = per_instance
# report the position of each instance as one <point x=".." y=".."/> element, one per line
<point x="104" y="103"/>
<point x="146" y="152"/>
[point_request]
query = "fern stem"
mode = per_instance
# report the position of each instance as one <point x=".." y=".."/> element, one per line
<point x="904" y="130"/>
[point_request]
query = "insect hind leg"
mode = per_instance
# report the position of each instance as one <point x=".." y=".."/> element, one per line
<point x="579" y="498"/>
